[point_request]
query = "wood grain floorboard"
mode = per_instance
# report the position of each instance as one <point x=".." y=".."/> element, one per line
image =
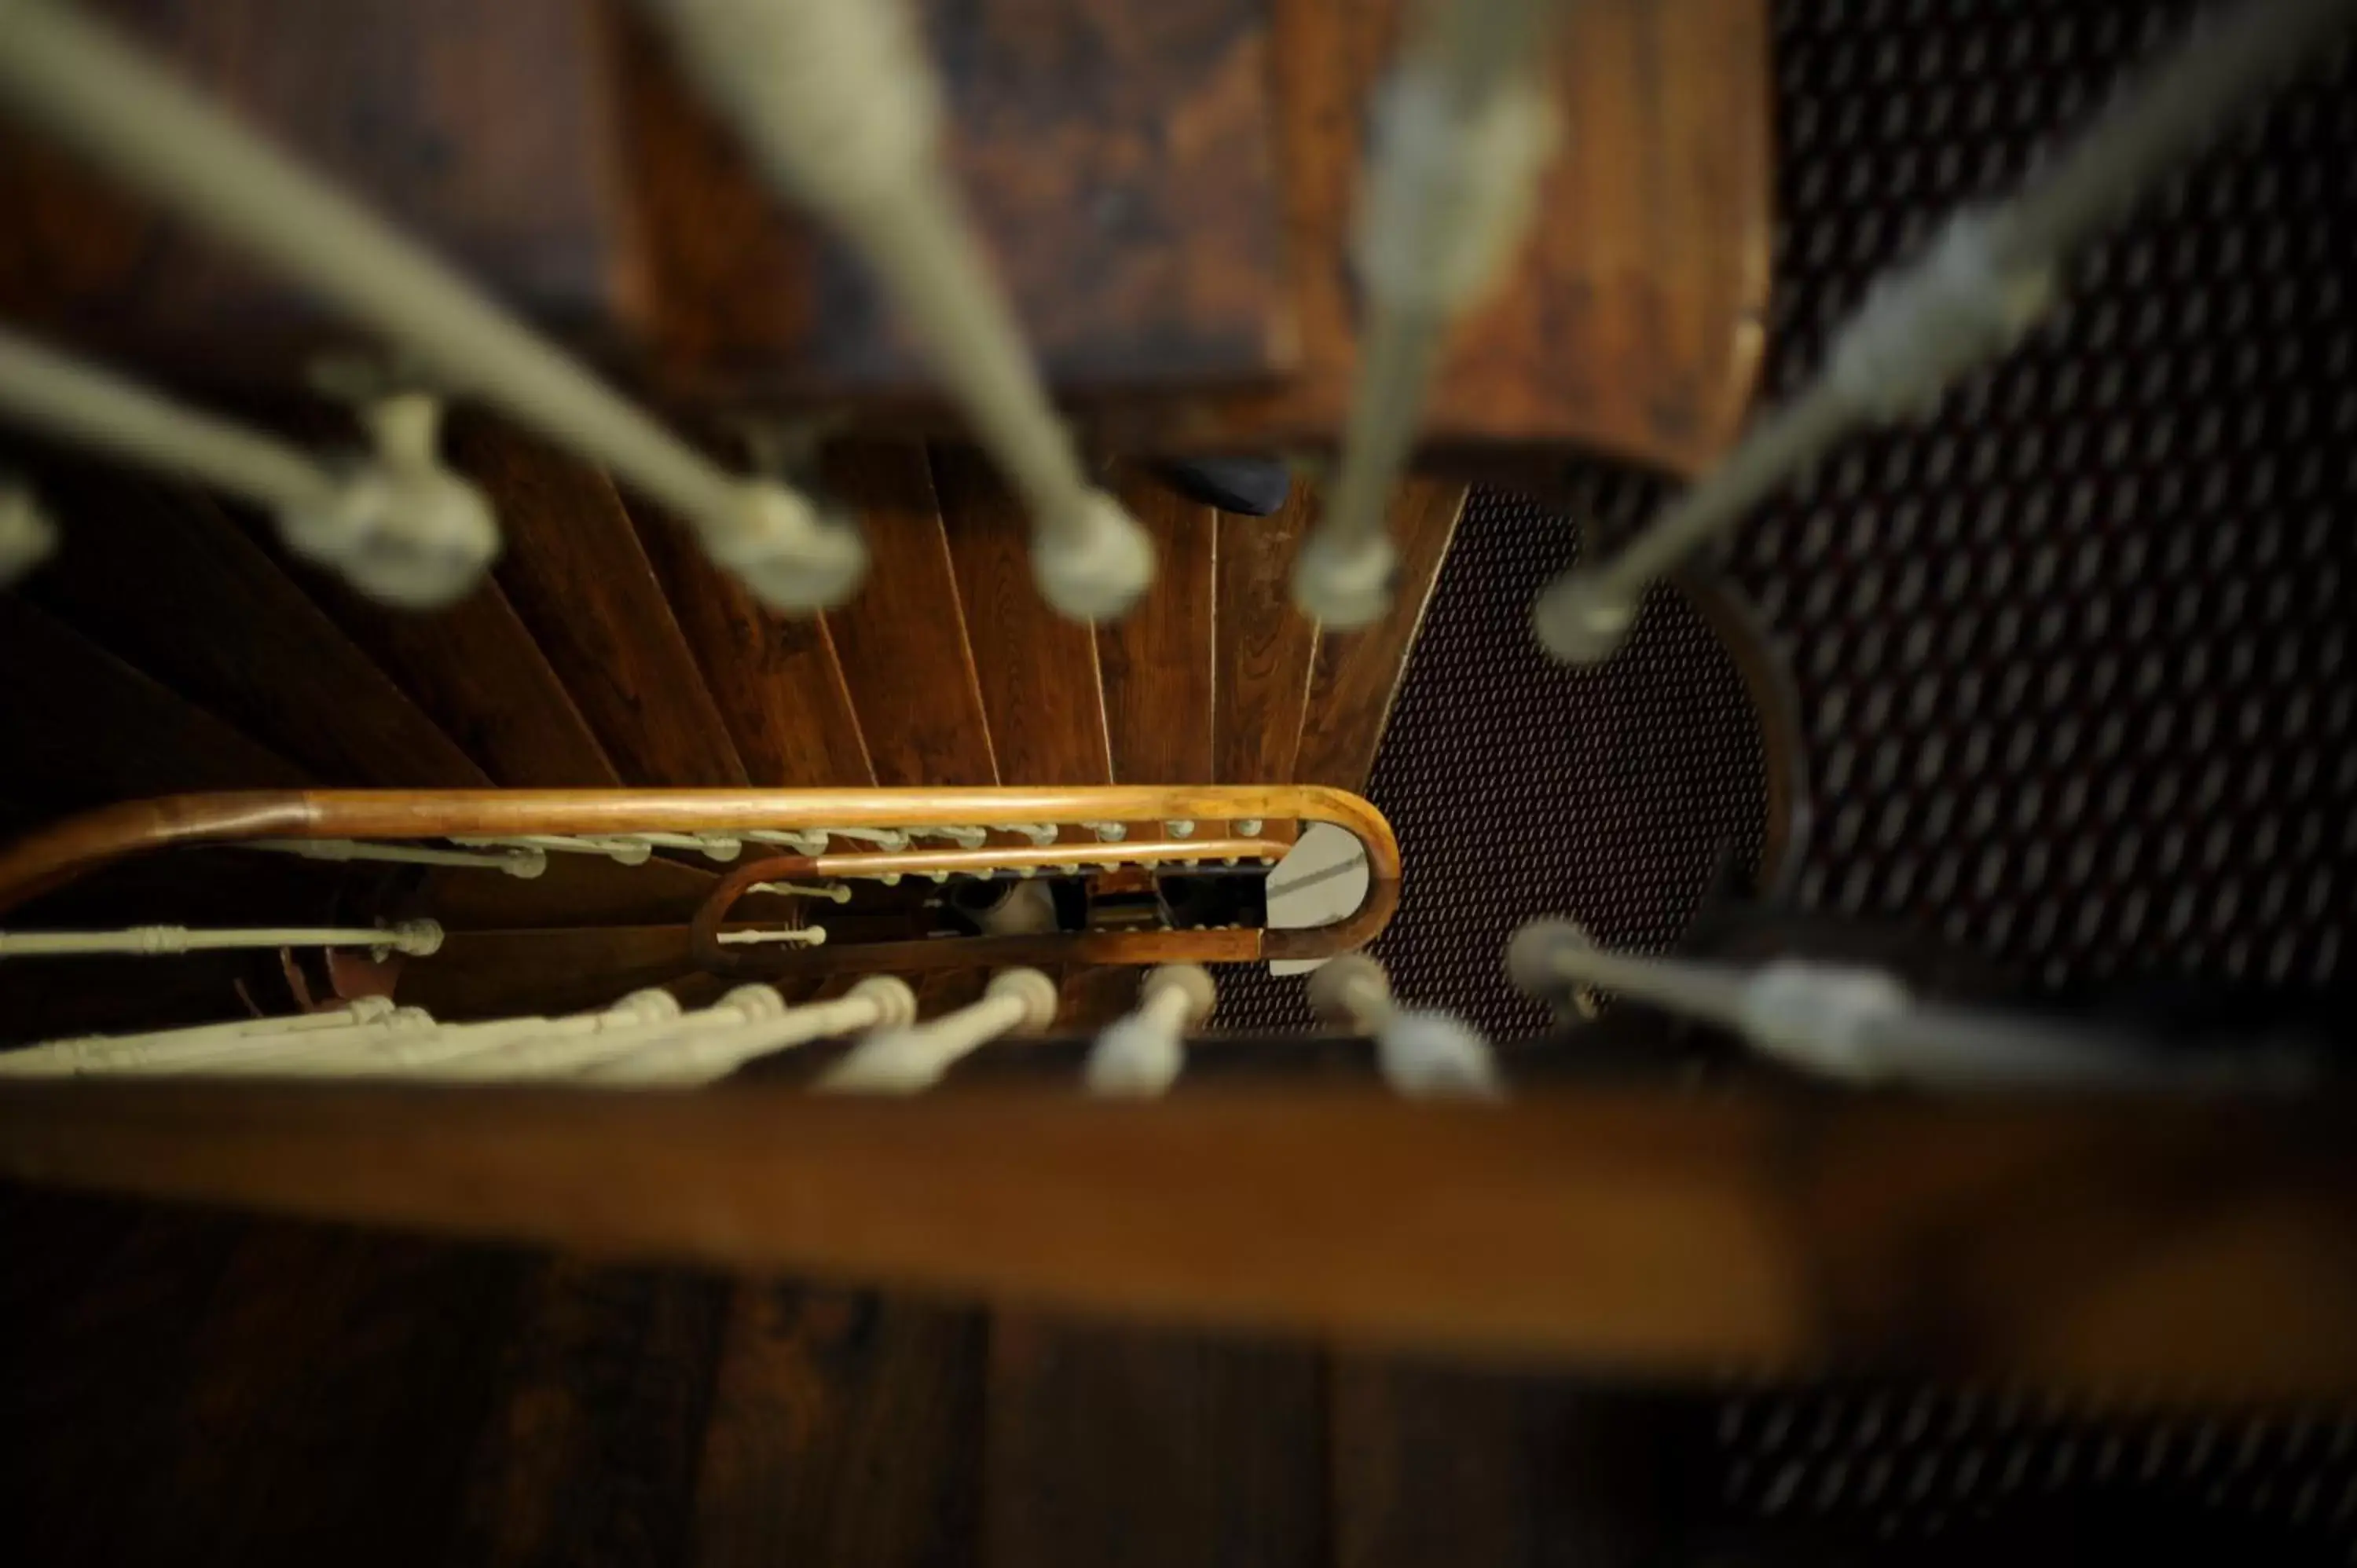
<point x="576" y="573"/>
<point x="1265" y="647"/>
<point x="775" y="678"/>
<point x="89" y="728"/>
<point x="1357" y="675"/>
<point x="164" y="579"/>
<point x="1157" y="661"/>
<point x="902" y="642"/>
<point x="1037" y="671"/>
<point x="847" y="1428"/>
<point x="1117" y="1444"/>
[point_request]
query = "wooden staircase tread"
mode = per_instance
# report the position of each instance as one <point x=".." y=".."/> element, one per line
<point x="1264" y="646"/>
<point x="775" y="678"/>
<point x="408" y="104"/>
<point x="1063" y="150"/>
<point x="1036" y="670"/>
<point x="474" y="668"/>
<point x="577" y="575"/>
<point x="1632" y="319"/>
<point x="92" y="729"/>
<point x="1158" y="661"/>
<point x="209" y="614"/>
<point x="1169" y="193"/>
<point x="1357" y="675"/>
<point x="902" y="641"/>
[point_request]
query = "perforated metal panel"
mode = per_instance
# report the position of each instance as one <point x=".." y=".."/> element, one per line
<point x="2074" y="658"/>
<point x="1517" y="785"/>
<point x="1918" y="1468"/>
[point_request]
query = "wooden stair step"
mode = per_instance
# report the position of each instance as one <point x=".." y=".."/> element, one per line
<point x="902" y="641"/>
<point x="580" y="580"/>
<point x="1264" y="647"/>
<point x="89" y="728"/>
<point x="475" y="668"/>
<point x="1168" y="193"/>
<point x="207" y="613"/>
<point x="1036" y="670"/>
<point x="1159" y="661"/>
<point x="776" y="679"/>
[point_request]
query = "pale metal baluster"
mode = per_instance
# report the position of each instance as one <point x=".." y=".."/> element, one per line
<point x="1863" y="1025"/>
<point x="838" y="104"/>
<point x="416" y="1053"/>
<point x="1462" y="132"/>
<point x="398" y="524"/>
<point x="416" y="938"/>
<point x="879" y="1002"/>
<point x="522" y="863"/>
<point x="104" y="1053"/>
<point x="783" y="936"/>
<point x="625" y="850"/>
<point x="965" y="837"/>
<point x="1140" y="1056"/>
<point x="1422" y="1055"/>
<point x="560" y="1052"/>
<point x="28" y="537"/>
<point x="833" y="892"/>
<point x="85" y="87"/>
<point x="1983" y="282"/>
<point x="905" y="1060"/>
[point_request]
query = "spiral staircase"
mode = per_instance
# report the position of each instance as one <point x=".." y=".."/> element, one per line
<point x="750" y="594"/>
<point x="181" y="652"/>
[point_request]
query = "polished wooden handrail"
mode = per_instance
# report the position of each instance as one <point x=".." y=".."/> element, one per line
<point x="53" y="856"/>
<point x="2131" y="1249"/>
